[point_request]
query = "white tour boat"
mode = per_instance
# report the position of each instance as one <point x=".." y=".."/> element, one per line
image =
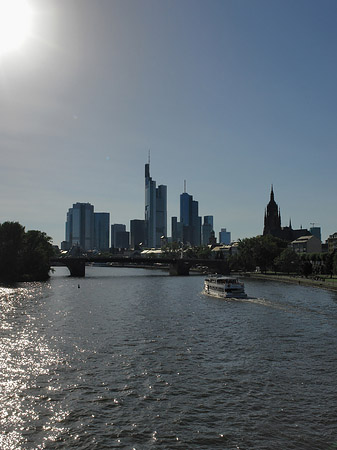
<point x="224" y="287"/>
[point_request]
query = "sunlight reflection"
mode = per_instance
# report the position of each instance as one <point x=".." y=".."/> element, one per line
<point x="26" y="361"/>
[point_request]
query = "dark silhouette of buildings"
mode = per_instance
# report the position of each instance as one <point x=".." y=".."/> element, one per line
<point x="272" y="223"/>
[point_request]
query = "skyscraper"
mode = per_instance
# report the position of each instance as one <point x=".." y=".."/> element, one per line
<point x="206" y="229"/>
<point x="224" y="236"/>
<point x="80" y="226"/>
<point x="155" y="211"/>
<point x="189" y="219"/>
<point x="137" y="232"/>
<point x="101" y="231"/>
<point x="119" y="236"/>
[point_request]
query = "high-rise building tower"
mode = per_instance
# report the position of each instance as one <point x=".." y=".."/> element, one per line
<point x="189" y="219"/>
<point x="316" y="231"/>
<point x="137" y="232"/>
<point x="101" y="231"/>
<point x="207" y="228"/>
<point x="119" y="236"/>
<point x="155" y="211"/>
<point x="80" y="226"/>
<point x="224" y="236"/>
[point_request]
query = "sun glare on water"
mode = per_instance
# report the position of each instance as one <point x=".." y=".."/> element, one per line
<point x="15" y="24"/>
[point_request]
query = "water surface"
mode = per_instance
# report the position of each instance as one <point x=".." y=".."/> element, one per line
<point x="136" y="359"/>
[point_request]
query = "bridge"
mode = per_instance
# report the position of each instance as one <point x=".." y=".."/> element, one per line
<point x="177" y="266"/>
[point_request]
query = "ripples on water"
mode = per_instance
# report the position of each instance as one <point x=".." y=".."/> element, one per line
<point x="135" y="359"/>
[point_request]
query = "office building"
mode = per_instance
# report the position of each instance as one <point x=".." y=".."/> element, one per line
<point x="137" y="232"/>
<point x="224" y="236"/>
<point x="101" y="231"/>
<point x="190" y="222"/>
<point x="206" y="230"/>
<point x="80" y="226"/>
<point x="119" y="236"/>
<point x="155" y="211"/>
<point x="316" y="231"/>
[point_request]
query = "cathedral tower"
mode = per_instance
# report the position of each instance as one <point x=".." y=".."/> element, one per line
<point x="272" y="217"/>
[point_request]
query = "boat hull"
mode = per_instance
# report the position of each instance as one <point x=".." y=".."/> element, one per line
<point x="224" y="294"/>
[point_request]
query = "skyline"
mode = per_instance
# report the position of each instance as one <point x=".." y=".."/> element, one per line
<point x="232" y="96"/>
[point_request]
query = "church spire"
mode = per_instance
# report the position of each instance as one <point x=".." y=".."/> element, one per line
<point x="272" y="219"/>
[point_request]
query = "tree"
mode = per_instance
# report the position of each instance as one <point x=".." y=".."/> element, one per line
<point x="36" y="254"/>
<point x="24" y="256"/>
<point x="306" y="268"/>
<point x="288" y="261"/>
<point x="11" y="241"/>
<point x="334" y="264"/>
<point x="260" y="251"/>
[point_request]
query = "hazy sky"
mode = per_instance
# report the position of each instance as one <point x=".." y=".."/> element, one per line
<point x="231" y="95"/>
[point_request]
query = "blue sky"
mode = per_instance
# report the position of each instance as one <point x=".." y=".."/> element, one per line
<point x="232" y="96"/>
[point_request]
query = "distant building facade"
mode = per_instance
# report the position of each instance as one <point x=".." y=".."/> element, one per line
<point x="272" y="223"/>
<point x="101" y="231"/>
<point x="206" y="230"/>
<point x="190" y="220"/>
<point x="155" y="211"/>
<point x="307" y="244"/>
<point x="332" y="242"/>
<point x="224" y="236"/>
<point x="316" y="231"/>
<point x="119" y="236"/>
<point x="137" y="232"/>
<point x="80" y="226"/>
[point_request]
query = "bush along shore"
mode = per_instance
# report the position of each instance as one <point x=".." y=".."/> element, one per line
<point x="24" y="256"/>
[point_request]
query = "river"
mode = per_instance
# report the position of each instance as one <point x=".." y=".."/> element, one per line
<point x="136" y="359"/>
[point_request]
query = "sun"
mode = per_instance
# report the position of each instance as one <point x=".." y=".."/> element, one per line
<point x="15" y="24"/>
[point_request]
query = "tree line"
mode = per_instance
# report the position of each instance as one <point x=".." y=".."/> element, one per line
<point x="24" y="255"/>
<point x="267" y="253"/>
<point x="272" y="254"/>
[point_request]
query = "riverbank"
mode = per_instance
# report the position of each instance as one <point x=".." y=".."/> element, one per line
<point x="320" y="282"/>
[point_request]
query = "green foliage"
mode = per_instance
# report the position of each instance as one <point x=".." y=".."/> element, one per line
<point x="199" y="252"/>
<point x="288" y="261"/>
<point x="334" y="264"/>
<point x="37" y="251"/>
<point x="24" y="256"/>
<point x="259" y="251"/>
<point x="11" y="243"/>
<point x="306" y="268"/>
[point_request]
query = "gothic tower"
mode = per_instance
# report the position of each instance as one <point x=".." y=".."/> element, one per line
<point x="272" y="218"/>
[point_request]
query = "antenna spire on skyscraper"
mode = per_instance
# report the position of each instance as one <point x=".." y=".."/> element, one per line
<point x="184" y="186"/>
<point x="148" y="159"/>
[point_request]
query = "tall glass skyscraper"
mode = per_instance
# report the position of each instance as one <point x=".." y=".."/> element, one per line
<point x="137" y="232"/>
<point x="155" y="211"/>
<point x="207" y="229"/>
<point x="80" y="226"/>
<point x="101" y="231"/>
<point x="190" y="220"/>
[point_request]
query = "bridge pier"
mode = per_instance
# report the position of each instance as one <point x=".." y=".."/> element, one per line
<point x="76" y="267"/>
<point x="179" y="268"/>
